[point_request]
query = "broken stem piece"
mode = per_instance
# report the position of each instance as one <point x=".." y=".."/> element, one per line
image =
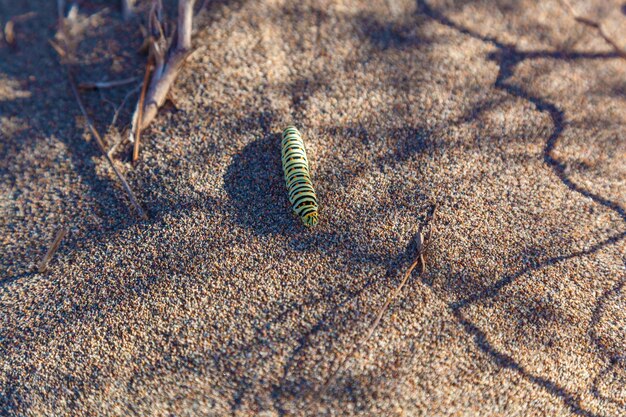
<point x="158" y="91"/>
<point x="185" y="20"/>
<point x="142" y="98"/>
<point x="106" y="84"/>
<point x="43" y="265"/>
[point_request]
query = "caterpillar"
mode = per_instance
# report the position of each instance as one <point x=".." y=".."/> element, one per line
<point x="296" y="169"/>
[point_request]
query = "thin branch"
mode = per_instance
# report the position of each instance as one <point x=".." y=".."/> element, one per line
<point x="23" y="17"/>
<point x="43" y="265"/>
<point x="419" y="260"/>
<point x="422" y="243"/>
<point x="106" y="84"/>
<point x="185" y="18"/>
<point x="158" y="93"/>
<point x="102" y="147"/>
<point x="112" y="130"/>
<point x="595" y="25"/>
<point x="142" y="98"/>
<point x="57" y="48"/>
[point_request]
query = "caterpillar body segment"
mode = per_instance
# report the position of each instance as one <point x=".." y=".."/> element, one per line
<point x="297" y="177"/>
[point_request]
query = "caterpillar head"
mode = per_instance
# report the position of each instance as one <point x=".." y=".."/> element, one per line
<point x="310" y="219"/>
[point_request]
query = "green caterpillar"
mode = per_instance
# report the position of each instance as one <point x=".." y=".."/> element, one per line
<point x="296" y="168"/>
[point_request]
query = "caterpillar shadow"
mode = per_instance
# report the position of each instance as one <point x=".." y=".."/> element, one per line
<point x="256" y="188"/>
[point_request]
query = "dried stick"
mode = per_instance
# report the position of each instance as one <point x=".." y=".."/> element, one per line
<point x="142" y="98"/>
<point x="105" y="84"/>
<point x="166" y="70"/>
<point x="43" y="265"/>
<point x="57" y="48"/>
<point x="160" y="86"/>
<point x="595" y="25"/>
<point x="419" y="261"/>
<point x="100" y="143"/>
<point x="9" y="27"/>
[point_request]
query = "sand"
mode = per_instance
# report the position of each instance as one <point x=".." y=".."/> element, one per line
<point x="510" y="116"/>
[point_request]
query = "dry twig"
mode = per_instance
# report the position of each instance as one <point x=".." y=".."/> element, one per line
<point x="57" y="48"/>
<point x="142" y="98"/>
<point x="421" y="246"/>
<point x="595" y="25"/>
<point x="92" y="129"/>
<point x="43" y="265"/>
<point x="101" y="146"/>
<point x="105" y="84"/>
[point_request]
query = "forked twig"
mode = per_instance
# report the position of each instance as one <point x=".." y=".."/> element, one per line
<point x="43" y="265"/>
<point x="167" y="63"/>
<point x="595" y="25"/>
<point x="101" y="146"/>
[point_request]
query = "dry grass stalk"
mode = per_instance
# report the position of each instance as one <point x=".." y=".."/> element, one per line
<point x="419" y="260"/>
<point x="57" y="48"/>
<point x="96" y="135"/>
<point x="421" y="247"/>
<point x="43" y="265"/>
<point x="105" y="84"/>
<point x="168" y="61"/>
<point x="595" y="25"/>
<point x="94" y="132"/>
